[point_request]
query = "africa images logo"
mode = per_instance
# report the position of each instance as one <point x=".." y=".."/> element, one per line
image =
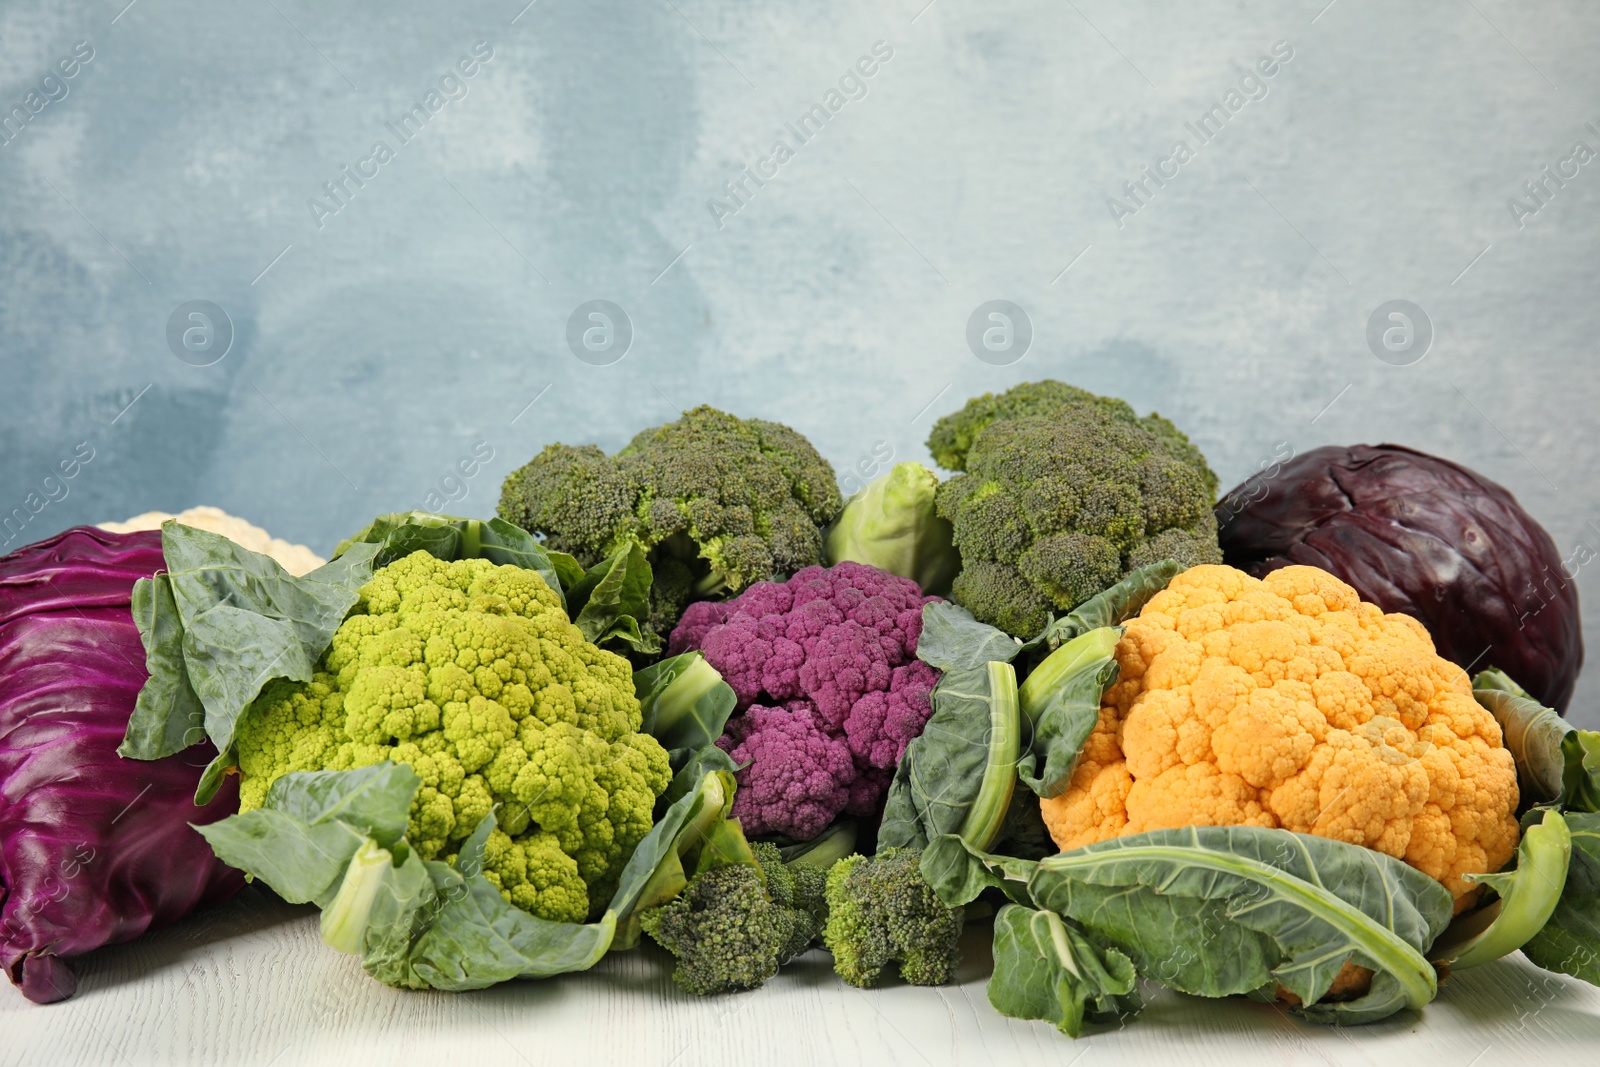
<point x="852" y="85"/>
<point x="1139" y="191"/>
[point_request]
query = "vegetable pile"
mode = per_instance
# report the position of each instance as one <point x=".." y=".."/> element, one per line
<point x="684" y="696"/>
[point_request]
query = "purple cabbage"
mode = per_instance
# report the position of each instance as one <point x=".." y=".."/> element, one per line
<point x="1422" y="536"/>
<point x="94" y="848"/>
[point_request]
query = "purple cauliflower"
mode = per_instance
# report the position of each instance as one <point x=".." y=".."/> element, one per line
<point x="799" y="776"/>
<point x="829" y="691"/>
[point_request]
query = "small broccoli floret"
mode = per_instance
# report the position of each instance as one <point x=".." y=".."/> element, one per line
<point x="1063" y="494"/>
<point x="882" y="911"/>
<point x="725" y="931"/>
<point x="732" y="927"/>
<point x="718" y="501"/>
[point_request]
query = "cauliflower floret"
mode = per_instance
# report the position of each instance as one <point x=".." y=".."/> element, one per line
<point x="1287" y="702"/>
<point x="471" y="674"/>
<point x="798" y="779"/>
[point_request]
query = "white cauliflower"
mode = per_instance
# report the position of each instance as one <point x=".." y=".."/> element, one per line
<point x="296" y="559"/>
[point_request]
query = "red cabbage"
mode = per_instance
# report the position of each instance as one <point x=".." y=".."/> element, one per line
<point x="94" y="848"/>
<point x="1422" y="536"/>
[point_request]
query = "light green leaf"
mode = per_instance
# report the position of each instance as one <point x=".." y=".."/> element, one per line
<point x="435" y="924"/>
<point x="891" y="524"/>
<point x="958" y="873"/>
<point x="1045" y="968"/>
<point x="959" y="775"/>
<point x="953" y="640"/>
<point x="375" y="800"/>
<point x="1528" y="895"/>
<point x="1061" y="705"/>
<point x="302" y="863"/>
<point x="685" y="704"/>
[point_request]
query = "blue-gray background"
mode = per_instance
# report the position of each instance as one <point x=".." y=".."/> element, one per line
<point x="375" y="350"/>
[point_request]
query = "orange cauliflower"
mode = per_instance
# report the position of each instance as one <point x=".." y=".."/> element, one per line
<point x="1287" y="702"/>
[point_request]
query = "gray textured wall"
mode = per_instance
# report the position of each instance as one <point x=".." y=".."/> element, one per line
<point x="376" y="344"/>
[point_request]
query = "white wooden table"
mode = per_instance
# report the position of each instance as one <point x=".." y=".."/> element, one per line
<point x="250" y="983"/>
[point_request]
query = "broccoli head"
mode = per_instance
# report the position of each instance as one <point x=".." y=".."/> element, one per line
<point x="471" y="674"/>
<point x="1053" y="508"/>
<point x="732" y="927"/>
<point x="882" y="911"/>
<point x="953" y="435"/>
<point x="718" y="501"/>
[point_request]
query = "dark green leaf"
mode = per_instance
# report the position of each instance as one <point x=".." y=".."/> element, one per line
<point x="168" y="717"/>
<point x="1045" y="968"/>
<point x="1061" y="705"/>
<point x="228" y="621"/>
<point x="953" y="640"/>
<point x="959" y="775"/>
<point x="1115" y="605"/>
<point x="1570" y="942"/>
<point x="685" y="704"/>
<point x="451" y="538"/>
<point x="701" y="761"/>
<point x="1216" y="911"/>
<point x="1556" y="762"/>
<point x="958" y="872"/>
<point x="612" y="598"/>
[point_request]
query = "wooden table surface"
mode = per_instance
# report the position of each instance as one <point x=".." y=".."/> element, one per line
<point x="250" y="984"/>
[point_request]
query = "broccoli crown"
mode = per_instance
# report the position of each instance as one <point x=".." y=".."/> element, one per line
<point x="471" y="674"/>
<point x="1054" y="508"/>
<point x="719" y="501"/>
<point x="731" y="927"/>
<point x="881" y="911"/>
<point x="952" y="436"/>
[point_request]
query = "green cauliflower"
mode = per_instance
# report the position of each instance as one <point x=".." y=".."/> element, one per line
<point x="881" y="911"/>
<point x="1063" y="493"/>
<point x="471" y="674"/>
<point x="718" y="501"/>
